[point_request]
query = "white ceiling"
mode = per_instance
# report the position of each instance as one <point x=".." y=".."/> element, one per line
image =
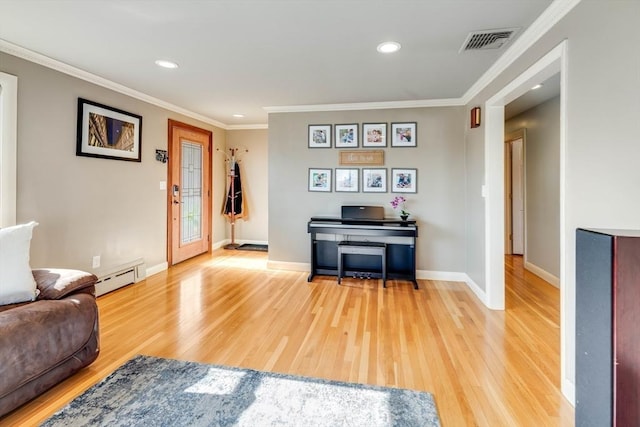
<point x="239" y="56"/>
<point x="550" y="88"/>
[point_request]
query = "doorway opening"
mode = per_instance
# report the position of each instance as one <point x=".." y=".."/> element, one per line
<point x="552" y="63"/>
<point x="8" y="148"/>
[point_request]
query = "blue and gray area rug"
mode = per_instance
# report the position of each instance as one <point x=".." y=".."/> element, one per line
<point x="148" y="391"/>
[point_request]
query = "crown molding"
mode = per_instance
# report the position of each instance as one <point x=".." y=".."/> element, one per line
<point x="54" y="64"/>
<point x="248" y="127"/>
<point x="452" y="102"/>
<point x="551" y="16"/>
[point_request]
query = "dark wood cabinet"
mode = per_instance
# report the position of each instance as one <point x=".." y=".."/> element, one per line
<point x="607" y="328"/>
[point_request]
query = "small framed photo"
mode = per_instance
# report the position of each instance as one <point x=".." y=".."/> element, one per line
<point x="404" y="180"/>
<point x="346" y="136"/>
<point x="347" y="180"/>
<point x="404" y="134"/>
<point x="374" y="180"/>
<point x="320" y="180"/>
<point x="374" y="134"/>
<point x="319" y="136"/>
<point x="108" y="132"/>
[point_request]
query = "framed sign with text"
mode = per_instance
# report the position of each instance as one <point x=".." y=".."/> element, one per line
<point x="361" y="157"/>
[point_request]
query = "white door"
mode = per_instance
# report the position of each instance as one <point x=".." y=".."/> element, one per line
<point x="517" y="199"/>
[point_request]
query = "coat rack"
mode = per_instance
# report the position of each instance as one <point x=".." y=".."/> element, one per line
<point x="232" y="158"/>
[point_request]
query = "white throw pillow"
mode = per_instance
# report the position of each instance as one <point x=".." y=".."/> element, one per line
<point x="16" y="280"/>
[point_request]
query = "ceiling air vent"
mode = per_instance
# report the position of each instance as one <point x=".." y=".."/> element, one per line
<point x="488" y="39"/>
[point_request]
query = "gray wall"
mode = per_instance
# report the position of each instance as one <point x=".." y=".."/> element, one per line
<point x="87" y="206"/>
<point x="602" y="106"/>
<point x="254" y="168"/>
<point x="438" y="206"/>
<point x="542" y="166"/>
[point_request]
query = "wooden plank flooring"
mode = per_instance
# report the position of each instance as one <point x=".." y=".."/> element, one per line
<point x="485" y="368"/>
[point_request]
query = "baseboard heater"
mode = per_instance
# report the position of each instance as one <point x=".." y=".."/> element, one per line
<point x="119" y="276"/>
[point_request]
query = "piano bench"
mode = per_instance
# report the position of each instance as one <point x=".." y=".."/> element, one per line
<point x="362" y="248"/>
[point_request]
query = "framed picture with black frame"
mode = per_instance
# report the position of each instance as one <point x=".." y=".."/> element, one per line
<point x="404" y="180"/>
<point x="320" y="180"/>
<point x="107" y="132"/>
<point x="404" y="134"/>
<point x="347" y="180"/>
<point x="319" y="136"/>
<point x="374" y="134"/>
<point x="374" y="180"/>
<point x="346" y="136"/>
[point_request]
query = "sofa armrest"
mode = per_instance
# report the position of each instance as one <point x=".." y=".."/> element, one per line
<point x="56" y="283"/>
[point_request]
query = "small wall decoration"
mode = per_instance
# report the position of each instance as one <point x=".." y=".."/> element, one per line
<point x="374" y="134"/>
<point x="108" y="132"/>
<point x="362" y="157"/>
<point x="374" y="180"/>
<point x="162" y="156"/>
<point x="319" y="136"/>
<point x="404" y="134"/>
<point x="475" y="117"/>
<point x="347" y="180"/>
<point x="346" y="136"/>
<point x="404" y="180"/>
<point x="320" y="180"/>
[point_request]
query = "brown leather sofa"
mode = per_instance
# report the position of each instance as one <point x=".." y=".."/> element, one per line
<point x="47" y="340"/>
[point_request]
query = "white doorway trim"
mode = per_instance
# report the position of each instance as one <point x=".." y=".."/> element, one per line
<point x="553" y="62"/>
<point x="518" y="197"/>
<point x="8" y="148"/>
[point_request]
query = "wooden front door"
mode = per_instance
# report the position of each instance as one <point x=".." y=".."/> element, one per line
<point x="188" y="192"/>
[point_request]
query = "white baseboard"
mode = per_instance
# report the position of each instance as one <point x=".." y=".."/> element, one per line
<point x="290" y="266"/>
<point x="221" y="243"/>
<point x="454" y="277"/>
<point x="157" y="268"/>
<point x="481" y="294"/>
<point x="446" y="276"/>
<point x="542" y="273"/>
<point x="569" y="391"/>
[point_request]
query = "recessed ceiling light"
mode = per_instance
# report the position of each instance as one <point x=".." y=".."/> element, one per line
<point x="538" y="86"/>
<point x="166" y="64"/>
<point x="388" y="47"/>
<point x="238" y="116"/>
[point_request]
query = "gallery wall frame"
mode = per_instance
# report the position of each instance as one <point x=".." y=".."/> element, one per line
<point x="404" y="134"/>
<point x="346" y="136"/>
<point x="374" y="134"/>
<point x="107" y="132"/>
<point x="319" y="136"/>
<point x="404" y="180"/>
<point x="319" y="180"/>
<point x="374" y="180"/>
<point x="347" y="180"/>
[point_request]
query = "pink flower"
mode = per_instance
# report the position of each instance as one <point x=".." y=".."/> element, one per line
<point x="399" y="202"/>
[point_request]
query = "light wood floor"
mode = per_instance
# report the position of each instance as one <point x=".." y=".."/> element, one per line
<point x="485" y="368"/>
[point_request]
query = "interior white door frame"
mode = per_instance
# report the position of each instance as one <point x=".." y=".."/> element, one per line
<point x="518" y="191"/>
<point x="553" y="62"/>
<point x="8" y="148"/>
<point x="515" y="135"/>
